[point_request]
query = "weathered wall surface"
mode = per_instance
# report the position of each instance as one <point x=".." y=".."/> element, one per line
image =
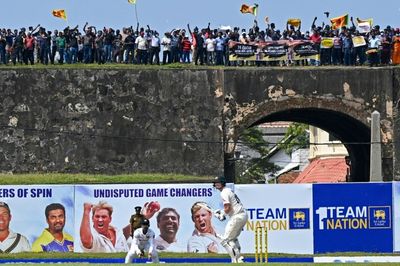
<point x="339" y="100"/>
<point x="123" y="121"/>
<point x="107" y="121"/>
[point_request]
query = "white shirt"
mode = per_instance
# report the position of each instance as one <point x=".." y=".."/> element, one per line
<point x="143" y="241"/>
<point x="374" y="43"/>
<point x="23" y="244"/>
<point x="210" y="44"/>
<point x="141" y="43"/>
<point x="162" y="245"/>
<point x="155" y="41"/>
<point x="199" y="242"/>
<point x="166" y="42"/>
<point x="228" y="196"/>
<point x="103" y="244"/>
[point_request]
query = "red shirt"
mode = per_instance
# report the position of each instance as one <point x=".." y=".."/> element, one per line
<point x="186" y="45"/>
<point x="29" y="41"/>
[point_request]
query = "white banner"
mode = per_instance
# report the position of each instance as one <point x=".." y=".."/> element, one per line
<point x="27" y="206"/>
<point x="177" y="198"/>
<point x="286" y="212"/>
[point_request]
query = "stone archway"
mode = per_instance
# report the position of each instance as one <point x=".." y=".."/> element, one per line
<point x="346" y="123"/>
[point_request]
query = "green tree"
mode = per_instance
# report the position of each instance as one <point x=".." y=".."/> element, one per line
<point x="254" y="169"/>
<point x="296" y="137"/>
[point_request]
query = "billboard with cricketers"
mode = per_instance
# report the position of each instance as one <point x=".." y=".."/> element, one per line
<point x="23" y="211"/>
<point x="169" y="207"/>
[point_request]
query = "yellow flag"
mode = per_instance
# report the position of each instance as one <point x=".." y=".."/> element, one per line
<point x="295" y="22"/>
<point x="60" y="13"/>
<point x="132" y="2"/>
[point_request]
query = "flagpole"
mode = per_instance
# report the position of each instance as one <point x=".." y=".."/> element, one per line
<point x="137" y="18"/>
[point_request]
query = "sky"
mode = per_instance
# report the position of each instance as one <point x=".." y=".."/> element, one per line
<point x="165" y="15"/>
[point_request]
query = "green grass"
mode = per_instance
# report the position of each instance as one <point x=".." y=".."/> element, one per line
<point x="60" y="178"/>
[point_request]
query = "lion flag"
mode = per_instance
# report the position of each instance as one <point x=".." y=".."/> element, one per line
<point x="339" y="22"/>
<point x="245" y="9"/>
<point x="60" y="13"/>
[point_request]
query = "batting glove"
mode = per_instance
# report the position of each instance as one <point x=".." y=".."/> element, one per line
<point x="220" y="215"/>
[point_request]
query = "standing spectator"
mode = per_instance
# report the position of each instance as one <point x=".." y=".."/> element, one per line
<point x="396" y="48"/>
<point x="337" y="49"/>
<point x="108" y="45"/>
<point x="210" y="46"/>
<point x="99" y="44"/>
<point x="61" y="45"/>
<point x="73" y="47"/>
<point x="141" y="46"/>
<point x="18" y="47"/>
<point x="155" y="49"/>
<point x="166" y="43"/>
<point x="129" y="47"/>
<point x="186" y="48"/>
<point x="373" y="46"/>
<point x="347" y="48"/>
<point x="315" y="38"/>
<point x="53" y="46"/>
<point x="87" y="45"/>
<point x="386" y="47"/>
<point x="117" y="47"/>
<point x="219" y="49"/>
<point x="9" y="45"/>
<point x="175" y="47"/>
<point x="3" y="44"/>
<point x="359" y="51"/>
<point x="44" y="47"/>
<point x="198" y="45"/>
<point x="29" y="46"/>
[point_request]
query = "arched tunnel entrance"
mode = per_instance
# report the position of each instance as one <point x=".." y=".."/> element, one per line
<point x="353" y="134"/>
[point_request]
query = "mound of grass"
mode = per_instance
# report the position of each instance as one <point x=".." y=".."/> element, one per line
<point x="60" y="178"/>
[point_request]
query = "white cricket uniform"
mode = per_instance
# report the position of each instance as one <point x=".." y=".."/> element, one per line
<point x="199" y="242"/>
<point x="101" y="244"/>
<point x="238" y="218"/>
<point x="142" y="243"/>
<point x="21" y="246"/>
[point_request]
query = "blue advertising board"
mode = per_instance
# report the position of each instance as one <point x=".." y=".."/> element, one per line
<point x="353" y="217"/>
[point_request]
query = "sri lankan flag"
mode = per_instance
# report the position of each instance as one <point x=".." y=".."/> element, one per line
<point x="60" y="13"/>
<point x="245" y="9"/>
<point x="132" y="2"/>
<point x="339" y="22"/>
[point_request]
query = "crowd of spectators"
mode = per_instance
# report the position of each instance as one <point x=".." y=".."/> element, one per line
<point x="198" y="46"/>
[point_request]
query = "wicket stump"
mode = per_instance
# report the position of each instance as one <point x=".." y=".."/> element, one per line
<point x="261" y="244"/>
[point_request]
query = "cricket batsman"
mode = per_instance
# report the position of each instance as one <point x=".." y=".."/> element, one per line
<point x="238" y="218"/>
